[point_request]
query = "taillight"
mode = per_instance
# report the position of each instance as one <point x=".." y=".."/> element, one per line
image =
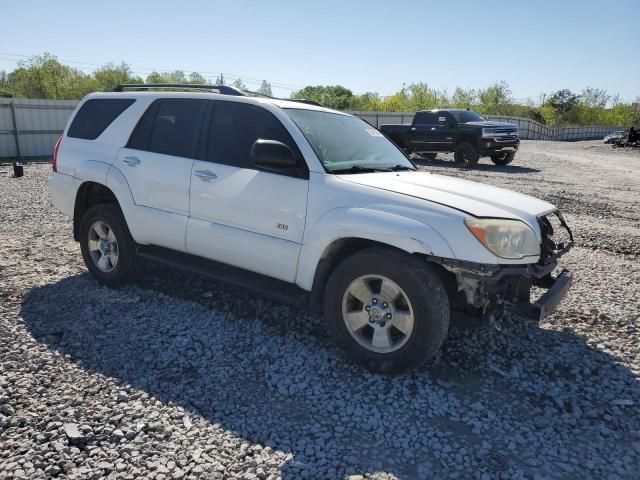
<point x="54" y="162"/>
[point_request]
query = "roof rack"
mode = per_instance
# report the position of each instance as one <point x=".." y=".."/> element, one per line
<point x="222" y="89"/>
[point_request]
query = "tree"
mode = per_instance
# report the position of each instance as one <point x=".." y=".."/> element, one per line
<point x="4" y="86"/>
<point x="177" y="76"/>
<point x="265" y="89"/>
<point x="331" y="96"/>
<point x="563" y="100"/>
<point x="110" y="75"/>
<point x="495" y="97"/>
<point x="462" y="98"/>
<point x="238" y="83"/>
<point x="594" y="97"/>
<point x="195" y="77"/>
<point x="43" y="76"/>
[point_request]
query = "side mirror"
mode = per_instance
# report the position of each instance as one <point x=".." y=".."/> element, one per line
<point x="273" y="155"/>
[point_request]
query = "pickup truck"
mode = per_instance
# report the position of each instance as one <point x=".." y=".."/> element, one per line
<point x="306" y="205"/>
<point x="464" y="133"/>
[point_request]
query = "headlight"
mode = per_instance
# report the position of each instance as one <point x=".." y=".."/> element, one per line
<point x="505" y="238"/>
<point x="488" y="132"/>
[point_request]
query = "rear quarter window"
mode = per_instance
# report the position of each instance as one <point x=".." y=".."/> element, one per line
<point x="96" y="115"/>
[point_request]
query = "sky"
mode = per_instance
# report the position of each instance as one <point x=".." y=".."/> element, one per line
<point x="535" y="46"/>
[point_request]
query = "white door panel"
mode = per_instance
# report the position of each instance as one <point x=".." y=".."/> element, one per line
<point x="258" y="253"/>
<point x="157" y="180"/>
<point x="256" y="219"/>
<point x="252" y="200"/>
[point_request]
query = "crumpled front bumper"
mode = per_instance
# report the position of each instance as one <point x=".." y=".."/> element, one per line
<point x="489" y="290"/>
<point x="549" y="301"/>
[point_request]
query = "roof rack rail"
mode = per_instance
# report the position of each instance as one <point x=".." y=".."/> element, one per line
<point x="298" y="100"/>
<point x="223" y="89"/>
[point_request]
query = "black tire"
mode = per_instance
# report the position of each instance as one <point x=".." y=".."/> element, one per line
<point x="423" y="288"/>
<point x="503" y="158"/>
<point x="466" y="154"/>
<point x="127" y="267"/>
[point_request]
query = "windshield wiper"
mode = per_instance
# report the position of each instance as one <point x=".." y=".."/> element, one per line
<point x="397" y="168"/>
<point x="359" y="169"/>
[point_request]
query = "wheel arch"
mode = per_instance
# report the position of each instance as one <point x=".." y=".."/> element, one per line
<point x="90" y="193"/>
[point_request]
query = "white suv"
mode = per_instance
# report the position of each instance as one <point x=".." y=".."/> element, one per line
<point x="308" y="205"/>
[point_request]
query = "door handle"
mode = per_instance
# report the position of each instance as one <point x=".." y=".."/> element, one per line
<point x="205" y="175"/>
<point x="433" y="128"/>
<point x="413" y="129"/>
<point x="131" y="161"/>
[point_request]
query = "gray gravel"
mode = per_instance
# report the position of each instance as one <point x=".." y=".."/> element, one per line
<point x="179" y="377"/>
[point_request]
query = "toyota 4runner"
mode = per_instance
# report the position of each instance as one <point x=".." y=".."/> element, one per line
<point x="308" y="205"/>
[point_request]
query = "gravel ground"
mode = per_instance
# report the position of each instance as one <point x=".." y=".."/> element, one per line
<point x="181" y="377"/>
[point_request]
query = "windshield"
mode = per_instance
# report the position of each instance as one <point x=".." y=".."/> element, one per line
<point x="464" y="116"/>
<point x="348" y="144"/>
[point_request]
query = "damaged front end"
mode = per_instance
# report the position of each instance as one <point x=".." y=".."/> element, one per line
<point x="488" y="291"/>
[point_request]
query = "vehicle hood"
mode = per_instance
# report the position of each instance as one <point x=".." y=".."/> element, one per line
<point x="490" y="123"/>
<point x="473" y="198"/>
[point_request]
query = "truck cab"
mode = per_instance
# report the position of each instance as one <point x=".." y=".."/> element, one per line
<point x="465" y="133"/>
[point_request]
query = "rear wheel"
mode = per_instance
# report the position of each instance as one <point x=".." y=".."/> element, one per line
<point x="503" y="158"/>
<point x="389" y="311"/>
<point x="107" y="247"/>
<point x="466" y="154"/>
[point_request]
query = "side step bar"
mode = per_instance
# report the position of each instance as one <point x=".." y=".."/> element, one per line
<point x="272" y="288"/>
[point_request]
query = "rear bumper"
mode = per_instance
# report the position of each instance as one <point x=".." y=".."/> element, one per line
<point x="62" y="192"/>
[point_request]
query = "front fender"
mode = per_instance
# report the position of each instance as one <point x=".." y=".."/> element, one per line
<point x="355" y="222"/>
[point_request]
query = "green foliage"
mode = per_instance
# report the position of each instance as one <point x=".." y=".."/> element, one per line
<point x="195" y="77"/>
<point x="177" y="76"/>
<point x="563" y="101"/>
<point x="331" y="96"/>
<point x="43" y="76"/>
<point x="239" y="84"/>
<point x="265" y="88"/>
<point x="495" y="99"/>
<point x="110" y="75"/>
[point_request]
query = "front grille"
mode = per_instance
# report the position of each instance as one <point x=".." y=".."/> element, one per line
<point x="506" y="138"/>
<point x="505" y="131"/>
<point x="557" y="237"/>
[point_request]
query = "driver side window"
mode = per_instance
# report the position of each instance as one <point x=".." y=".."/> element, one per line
<point x="233" y="129"/>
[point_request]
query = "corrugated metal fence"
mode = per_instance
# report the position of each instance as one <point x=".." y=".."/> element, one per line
<point x="529" y="129"/>
<point x="29" y="128"/>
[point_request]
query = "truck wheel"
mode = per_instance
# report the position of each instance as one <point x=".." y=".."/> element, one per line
<point x="108" y="250"/>
<point x="466" y="154"/>
<point x="504" y="158"/>
<point x="387" y="310"/>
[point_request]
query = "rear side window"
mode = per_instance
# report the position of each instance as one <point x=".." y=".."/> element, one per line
<point x="170" y="126"/>
<point x="95" y="116"/>
<point x="234" y="128"/>
<point x="426" y="118"/>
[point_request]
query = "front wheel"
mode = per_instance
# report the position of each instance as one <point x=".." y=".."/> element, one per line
<point x="503" y="158"/>
<point x="466" y="154"/>
<point x="387" y="310"/>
